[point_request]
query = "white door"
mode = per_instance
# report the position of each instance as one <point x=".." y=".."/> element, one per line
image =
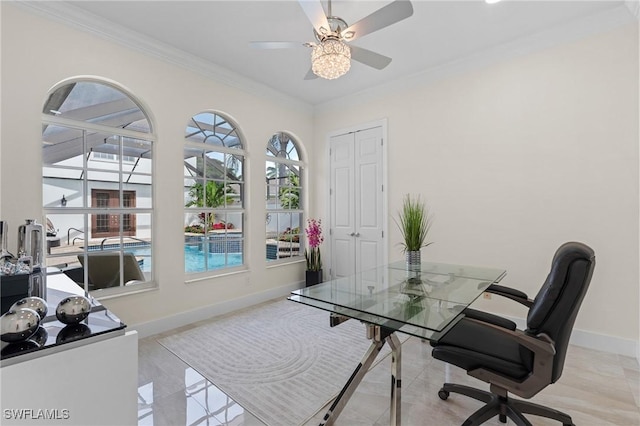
<point x="356" y="198"/>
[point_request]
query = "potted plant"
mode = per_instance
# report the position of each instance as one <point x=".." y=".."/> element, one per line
<point x="414" y="223"/>
<point x="312" y="254"/>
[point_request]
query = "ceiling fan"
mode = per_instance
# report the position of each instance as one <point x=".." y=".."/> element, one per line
<point x="331" y="56"/>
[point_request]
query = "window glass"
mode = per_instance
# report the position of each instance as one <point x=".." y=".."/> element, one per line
<point x="96" y="103"/>
<point x="213" y="194"/>
<point x="97" y="187"/>
<point x="282" y="146"/>
<point x="284" y="190"/>
<point x="212" y="129"/>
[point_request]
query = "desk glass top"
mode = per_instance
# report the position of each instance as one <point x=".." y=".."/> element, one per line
<point x="423" y="302"/>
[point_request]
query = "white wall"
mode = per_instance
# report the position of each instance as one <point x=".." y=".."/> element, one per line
<point x="517" y="158"/>
<point x="514" y="159"/>
<point x="38" y="53"/>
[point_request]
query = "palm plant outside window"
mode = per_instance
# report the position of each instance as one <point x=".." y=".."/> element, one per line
<point x="213" y="194"/>
<point x="283" y="174"/>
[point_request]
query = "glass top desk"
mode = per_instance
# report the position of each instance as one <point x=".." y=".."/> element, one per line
<point x="424" y="302"/>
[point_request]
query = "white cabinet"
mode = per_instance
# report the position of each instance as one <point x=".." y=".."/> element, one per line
<point x="91" y="384"/>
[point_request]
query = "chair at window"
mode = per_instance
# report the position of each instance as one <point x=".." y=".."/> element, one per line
<point x="516" y="361"/>
<point x="104" y="269"/>
<point x="52" y="236"/>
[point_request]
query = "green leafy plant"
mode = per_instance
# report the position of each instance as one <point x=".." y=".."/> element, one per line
<point x="414" y="223"/>
<point x="289" y="191"/>
<point x="290" y="195"/>
<point x="290" y="235"/>
<point x="215" y="194"/>
<point x="194" y="229"/>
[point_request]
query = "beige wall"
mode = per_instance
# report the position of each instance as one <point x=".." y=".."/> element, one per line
<point x="38" y="53"/>
<point x="517" y="158"/>
<point x="514" y="159"/>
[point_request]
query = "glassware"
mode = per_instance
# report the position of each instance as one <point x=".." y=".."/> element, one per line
<point x="4" y="233"/>
<point x="30" y="241"/>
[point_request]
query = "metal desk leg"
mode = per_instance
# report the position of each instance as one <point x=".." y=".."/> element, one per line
<point x="396" y="381"/>
<point x="352" y="383"/>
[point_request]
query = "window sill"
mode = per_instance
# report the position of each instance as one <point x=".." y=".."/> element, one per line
<point x="283" y="262"/>
<point x="204" y="276"/>
<point x="117" y="292"/>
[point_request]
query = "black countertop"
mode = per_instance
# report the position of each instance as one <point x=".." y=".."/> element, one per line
<point x="53" y="335"/>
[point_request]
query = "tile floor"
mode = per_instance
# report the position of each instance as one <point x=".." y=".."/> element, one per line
<point x="596" y="389"/>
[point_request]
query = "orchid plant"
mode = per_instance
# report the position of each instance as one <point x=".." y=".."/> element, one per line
<point x="314" y="238"/>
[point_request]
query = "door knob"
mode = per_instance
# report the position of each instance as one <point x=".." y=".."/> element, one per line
<point x="353" y="234"/>
<point x="357" y="234"/>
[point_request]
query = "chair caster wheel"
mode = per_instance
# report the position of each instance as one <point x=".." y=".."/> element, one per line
<point x="443" y="394"/>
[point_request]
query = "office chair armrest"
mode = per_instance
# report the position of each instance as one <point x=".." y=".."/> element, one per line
<point x="543" y="349"/>
<point x="489" y="318"/>
<point x="510" y="293"/>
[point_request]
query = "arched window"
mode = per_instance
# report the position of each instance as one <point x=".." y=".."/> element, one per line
<point x="97" y="154"/>
<point x="213" y="194"/>
<point x="284" y="198"/>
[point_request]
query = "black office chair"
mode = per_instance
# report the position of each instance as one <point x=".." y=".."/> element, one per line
<point x="493" y="350"/>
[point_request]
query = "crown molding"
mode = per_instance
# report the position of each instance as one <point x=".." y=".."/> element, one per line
<point x="553" y="36"/>
<point x="72" y="16"/>
<point x="79" y="19"/>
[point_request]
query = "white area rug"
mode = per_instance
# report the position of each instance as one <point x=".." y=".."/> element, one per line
<point x="281" y="361"/>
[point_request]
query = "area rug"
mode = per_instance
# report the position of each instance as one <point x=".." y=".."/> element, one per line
<point x="281" y="361"/>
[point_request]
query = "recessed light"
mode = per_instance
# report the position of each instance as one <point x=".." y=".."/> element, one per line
<point x="491" y="1"/>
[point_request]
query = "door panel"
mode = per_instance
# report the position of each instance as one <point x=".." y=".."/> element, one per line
<point x="342" y="253"/>
<point x="108" y="224"/>
<point x="357" y="221"/>
<point x="342" y="205"/>
<point x="344" y="199"/>
<point x="368" y="198"/>
<point x="368" y="253"/>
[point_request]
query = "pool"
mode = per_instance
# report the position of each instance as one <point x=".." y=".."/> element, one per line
<point x="194" y="259"/>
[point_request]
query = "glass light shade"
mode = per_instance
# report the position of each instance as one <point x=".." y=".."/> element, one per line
<point x="330" y="59"/>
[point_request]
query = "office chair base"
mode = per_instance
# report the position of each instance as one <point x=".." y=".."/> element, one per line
<point x="503" y="406"/>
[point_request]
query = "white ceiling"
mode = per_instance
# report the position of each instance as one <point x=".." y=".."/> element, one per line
<point x="439" y="33"/>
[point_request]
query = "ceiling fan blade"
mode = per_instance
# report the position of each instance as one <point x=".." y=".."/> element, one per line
<point x="310" y="75"/>
<point x="370" y="58"/>
<point x="275" y="44"/>
<point x="314" y="11"/>
<point x="383" y="17"/>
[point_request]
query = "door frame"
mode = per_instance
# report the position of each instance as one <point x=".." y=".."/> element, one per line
<point x="382" y="123"/>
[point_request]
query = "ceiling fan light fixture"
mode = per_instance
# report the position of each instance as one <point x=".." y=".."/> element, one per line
<point x="330" y="59"/>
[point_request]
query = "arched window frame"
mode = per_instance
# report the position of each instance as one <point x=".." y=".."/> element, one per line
<point x="284" y="195"/>
<point x="125" y="154"/>
<point x="214" y="218"/>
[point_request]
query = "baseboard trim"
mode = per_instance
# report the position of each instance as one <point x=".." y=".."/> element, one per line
<point x="162" y="325"/>
<point x="586" y="339"/>
<point x="596" y="341"/>
<point x="602" y="342"/>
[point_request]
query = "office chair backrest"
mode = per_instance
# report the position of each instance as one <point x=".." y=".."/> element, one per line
<point x="556" y="305"/>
